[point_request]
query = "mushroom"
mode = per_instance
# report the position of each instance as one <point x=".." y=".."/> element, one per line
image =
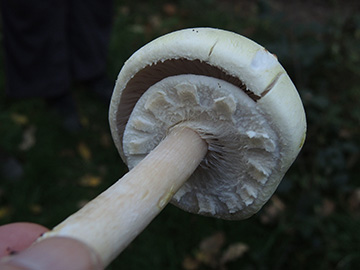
<point x="204" y="118"/>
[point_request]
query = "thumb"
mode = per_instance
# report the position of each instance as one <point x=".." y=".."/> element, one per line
<point x="56" y="253"/>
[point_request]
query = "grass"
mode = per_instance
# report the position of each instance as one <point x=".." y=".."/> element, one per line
<point x="312" y="220"/>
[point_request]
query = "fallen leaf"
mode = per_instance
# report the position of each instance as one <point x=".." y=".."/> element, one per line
<point x="19" y="119"/>
<point x="84" y="151"/>
<point x="190" y="263"/>
<point x="233" y="252"/>
<point x="272" y="211"/>
<point x="90" y="181"/>
<point x="155" y="21"/>
<point x="4" y="211"/>
<point x="29" y="139"/>
<point x="210" y="248"/>
<point x="169" y="9"/>
<point x="213" y="243"/>
<point x="210" y="253"/>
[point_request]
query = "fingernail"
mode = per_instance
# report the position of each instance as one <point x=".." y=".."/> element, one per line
<point x="56" y="253"/>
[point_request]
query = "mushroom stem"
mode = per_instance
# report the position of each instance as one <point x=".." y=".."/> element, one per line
<point x="114" y="218"/>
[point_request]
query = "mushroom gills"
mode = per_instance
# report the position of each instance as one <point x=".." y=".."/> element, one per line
<point x="243" y="147"/>
<point x="156" y="72"/>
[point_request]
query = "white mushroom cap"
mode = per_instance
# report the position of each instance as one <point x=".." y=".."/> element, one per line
<point x="230" y="90"/>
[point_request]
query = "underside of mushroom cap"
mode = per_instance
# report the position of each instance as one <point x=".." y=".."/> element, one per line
<point x="241" y="169"/>
<point x="233" y="60"/>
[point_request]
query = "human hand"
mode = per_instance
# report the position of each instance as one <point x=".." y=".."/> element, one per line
<point x="17" y="251"/>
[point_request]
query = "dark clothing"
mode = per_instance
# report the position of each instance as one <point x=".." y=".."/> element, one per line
<point x="50" y="43"/>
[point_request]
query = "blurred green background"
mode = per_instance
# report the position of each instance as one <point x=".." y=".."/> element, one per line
<point x="313" y="219"/>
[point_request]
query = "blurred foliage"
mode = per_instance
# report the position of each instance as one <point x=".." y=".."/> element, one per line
<point x="311" y="222"/>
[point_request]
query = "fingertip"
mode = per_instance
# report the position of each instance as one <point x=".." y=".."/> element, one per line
<point x="56" y="253"/>
<point x="18" y="236"/>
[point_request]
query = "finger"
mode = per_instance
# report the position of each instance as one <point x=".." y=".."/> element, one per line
<point x="15" y="237"/>
<point x="56" y="253"/>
